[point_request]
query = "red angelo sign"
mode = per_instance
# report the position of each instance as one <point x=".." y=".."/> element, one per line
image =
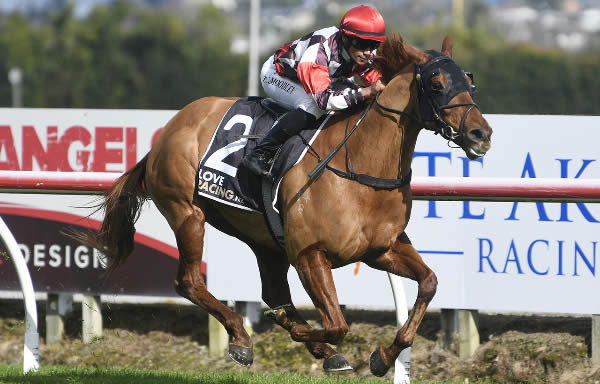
<point x="77" y="139"/>
<point x="56" y="262"/>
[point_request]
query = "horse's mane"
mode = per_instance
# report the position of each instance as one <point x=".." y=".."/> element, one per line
<point x="391" y="57"/>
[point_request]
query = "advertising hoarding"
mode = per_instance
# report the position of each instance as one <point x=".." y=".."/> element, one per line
<point x="538" y="257"/>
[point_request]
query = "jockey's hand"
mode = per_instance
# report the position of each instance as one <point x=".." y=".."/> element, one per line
<point x="372" y="90"/>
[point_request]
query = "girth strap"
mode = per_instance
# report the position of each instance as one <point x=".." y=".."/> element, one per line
<point x="273" y="220"/>
<point x="375" y="182"/>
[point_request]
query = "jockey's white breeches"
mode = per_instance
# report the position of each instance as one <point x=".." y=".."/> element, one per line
<point x="286" y="91"/>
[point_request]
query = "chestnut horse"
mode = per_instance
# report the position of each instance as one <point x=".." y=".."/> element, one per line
<point x="320" y="232"/>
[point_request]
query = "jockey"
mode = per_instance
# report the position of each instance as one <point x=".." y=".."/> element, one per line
<point x="312" y="76"/>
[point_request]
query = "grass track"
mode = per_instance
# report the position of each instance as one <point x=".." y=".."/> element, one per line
<point x="61" y="375"/>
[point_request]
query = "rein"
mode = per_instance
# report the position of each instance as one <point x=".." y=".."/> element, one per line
<point x="397" y="111"/>
<point x="325" y="161"/>
<point x="374" y="182"/>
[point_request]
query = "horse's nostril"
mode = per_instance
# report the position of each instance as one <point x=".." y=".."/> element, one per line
<point x="476" y="134"/>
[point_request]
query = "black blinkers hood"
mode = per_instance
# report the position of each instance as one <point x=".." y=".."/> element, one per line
<point x="455" y="77"/>
<point x="431" y="103"/>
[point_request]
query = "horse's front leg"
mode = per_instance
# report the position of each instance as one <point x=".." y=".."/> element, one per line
<point x="315" y="274"/>
<point x="402" y="259"/>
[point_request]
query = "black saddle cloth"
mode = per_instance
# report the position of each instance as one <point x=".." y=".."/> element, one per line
<point x="220" y="176"/>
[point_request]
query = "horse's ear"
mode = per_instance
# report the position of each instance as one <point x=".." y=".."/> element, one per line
<point x="447" y="46"/>
<point x="415" y="55"/>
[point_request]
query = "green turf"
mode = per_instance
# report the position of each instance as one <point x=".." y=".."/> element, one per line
<point x="61" y="375"/>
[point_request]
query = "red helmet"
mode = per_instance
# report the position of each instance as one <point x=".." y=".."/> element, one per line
<point x="363" y="22"/>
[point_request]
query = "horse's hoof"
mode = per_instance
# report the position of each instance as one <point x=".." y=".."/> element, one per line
<point x="241" y="355"/>
<point x="335" y="363"/>
<point x="378" y="367"/>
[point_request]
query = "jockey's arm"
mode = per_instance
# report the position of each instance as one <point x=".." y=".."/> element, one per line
<point x="329" y="96"/>
<point x="373" y="89"/>
<point x="313" y="74"/>
<point x="373" y="84"/>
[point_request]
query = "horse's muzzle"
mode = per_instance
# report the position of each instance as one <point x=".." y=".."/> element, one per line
<point x="477" y="141"/>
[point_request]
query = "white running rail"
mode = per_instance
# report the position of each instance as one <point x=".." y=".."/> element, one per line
<point x="31" y="356"/>
<point x="402" y="366"/>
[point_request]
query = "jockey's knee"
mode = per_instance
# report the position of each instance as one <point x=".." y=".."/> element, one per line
<point x="428" y="287"/>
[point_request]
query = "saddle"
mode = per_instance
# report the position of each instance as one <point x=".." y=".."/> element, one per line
<point x="220" y="176"/>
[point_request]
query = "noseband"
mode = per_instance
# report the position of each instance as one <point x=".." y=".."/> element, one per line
<point x="432" y="103"/>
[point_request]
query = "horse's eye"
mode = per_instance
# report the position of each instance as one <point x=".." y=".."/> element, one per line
<point x="436" y="86"/>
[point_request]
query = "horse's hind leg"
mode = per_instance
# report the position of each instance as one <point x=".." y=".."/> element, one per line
<point x="190" y="284"/>
<point x="273" y="267"/>
<point x="402" y="259"/>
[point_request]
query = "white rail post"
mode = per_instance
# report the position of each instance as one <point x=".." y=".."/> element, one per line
<point x="468" y="333"/>
<point x="596" y="340"/>
<point x="254" y="48"/>
<point x="250" y="312"/>
<point x="449" y="325"/>
<point x="91" y="314"/>
<point x="218" y="338"/>
<point x="31" y="349"/>
<point x="402" y="366"/>
<point x="58" y="305"/>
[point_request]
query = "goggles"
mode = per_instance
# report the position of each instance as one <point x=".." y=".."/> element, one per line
<point x="362" y="44"/>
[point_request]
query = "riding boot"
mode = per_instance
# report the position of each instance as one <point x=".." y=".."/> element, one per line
<point x="290" y="124"/>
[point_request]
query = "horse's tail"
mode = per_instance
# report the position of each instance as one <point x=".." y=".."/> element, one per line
<point x="121" y="205"/>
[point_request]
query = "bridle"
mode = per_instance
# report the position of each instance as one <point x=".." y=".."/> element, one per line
<point x="432" y="103"/>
